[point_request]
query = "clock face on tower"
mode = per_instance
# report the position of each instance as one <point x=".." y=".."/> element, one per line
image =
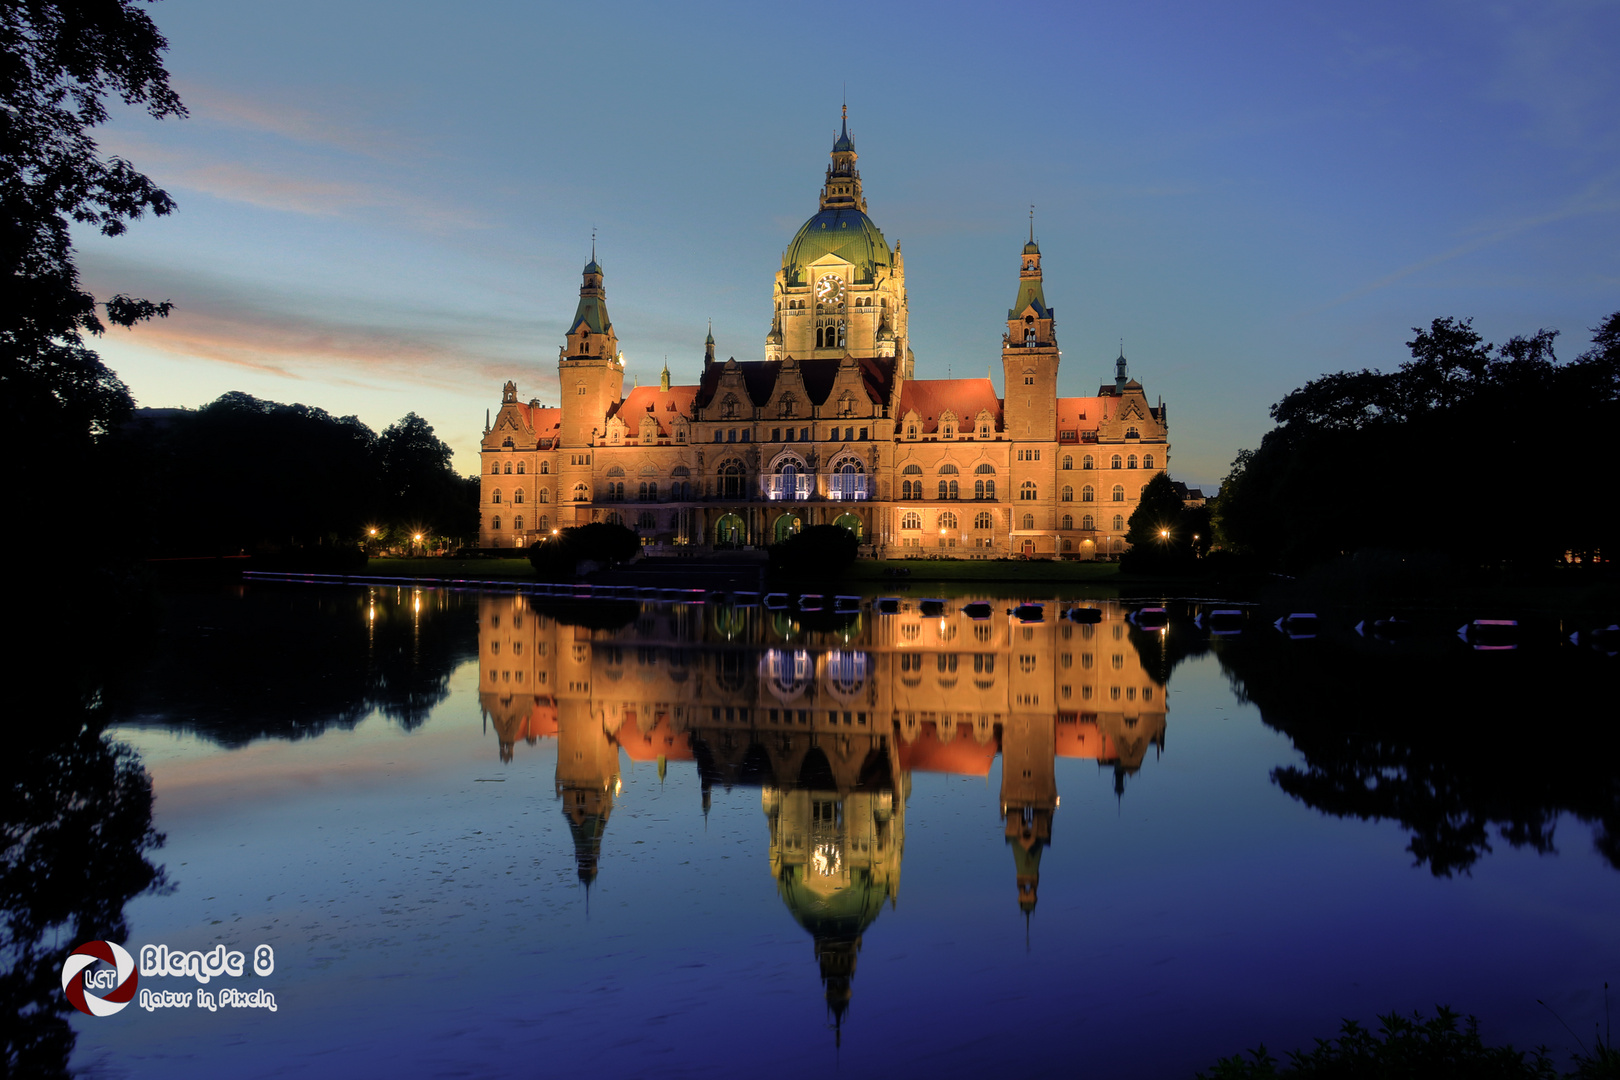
<point x="830" y="289"/>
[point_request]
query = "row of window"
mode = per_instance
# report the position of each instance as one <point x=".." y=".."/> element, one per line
<point x="983" y="490"/>
<point x="1116" y="462"/>
<point x="517" y="523"/>
<point x="543" y="495"/>
<point x="947" y="520"/>
<point x="849" y="434"/>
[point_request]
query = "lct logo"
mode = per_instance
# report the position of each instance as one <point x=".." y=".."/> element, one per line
<point x="119" y="983"/>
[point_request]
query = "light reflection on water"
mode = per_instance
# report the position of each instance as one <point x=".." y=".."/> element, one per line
<point x="1073" y="887"/>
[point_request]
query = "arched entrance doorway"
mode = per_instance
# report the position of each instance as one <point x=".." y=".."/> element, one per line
<point x="850" y="522"/>
<point x="729" y="531"/>
<point x="786" y="526"/>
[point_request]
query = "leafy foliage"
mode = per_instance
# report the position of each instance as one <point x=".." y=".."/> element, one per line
<point x="1166" y="535"/>
<point x="1357" y="458"/>
<point x="1400" y="1048"/>
<point x="816" y="551"/>
<point x="58" y="63"/>
<point x="599" y="541"/>
<point x="245" y="474"/>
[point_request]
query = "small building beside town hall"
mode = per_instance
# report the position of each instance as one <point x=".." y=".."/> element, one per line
<point x="829" y="426"/>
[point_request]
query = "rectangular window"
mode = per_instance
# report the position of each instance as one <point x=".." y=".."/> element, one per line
<point x="790" y="434"/>
<point x="1037" y="455"/>
<point x="747" y="434"/>
<point x="776" y="434"/>
<point x="731" y="436"/>
<point x="804" y="434"/>
<point x="863" y="434"/>
<point x="719" y="436"/>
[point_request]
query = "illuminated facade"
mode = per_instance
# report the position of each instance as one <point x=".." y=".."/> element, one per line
<point x="829" y="724"/>
<point x="829" y="426"/>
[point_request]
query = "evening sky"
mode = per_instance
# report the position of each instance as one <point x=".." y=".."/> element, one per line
<point x="384" y="207"/>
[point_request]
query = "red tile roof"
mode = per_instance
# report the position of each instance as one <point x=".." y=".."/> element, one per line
<point x="1079" y="413"/>
<point x="962" y="756"/>
<point x="662" y="405"/>
<point x="964" y="397"/>
<point x="545" y="420"/>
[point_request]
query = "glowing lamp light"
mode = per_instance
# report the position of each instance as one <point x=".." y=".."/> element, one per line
<point x="1164" y="533"/>
<point x="418" y="538"/>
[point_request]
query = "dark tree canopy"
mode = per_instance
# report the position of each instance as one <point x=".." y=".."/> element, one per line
<point x="1385" y="459"/>
<point x="816" y="551"/>
<point x="58" y="64"/>
<point x="1166" y="535"/>
<point x="598" y="541"/>
<point x="245" y="474"/>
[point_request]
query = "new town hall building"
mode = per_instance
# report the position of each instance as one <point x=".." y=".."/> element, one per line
<point x="829" y="426"/>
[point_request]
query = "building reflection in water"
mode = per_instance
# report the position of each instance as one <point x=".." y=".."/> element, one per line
<point x="829" y="722"/>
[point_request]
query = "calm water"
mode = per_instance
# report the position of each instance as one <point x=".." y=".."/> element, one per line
<point x="485" y="839"/>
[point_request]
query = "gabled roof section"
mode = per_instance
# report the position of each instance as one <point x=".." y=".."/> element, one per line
<point x="759" y="376"/>
<point x="930" y="398"/>
<point x="664" y="406"/>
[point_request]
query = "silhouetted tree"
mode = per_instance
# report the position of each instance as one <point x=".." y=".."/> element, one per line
<point x="58" y="63"/>
<point x="1357" y="457"/>
<point x="816" y="551"/>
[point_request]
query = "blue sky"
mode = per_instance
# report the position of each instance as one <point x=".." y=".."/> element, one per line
<point x="384" y="207"/>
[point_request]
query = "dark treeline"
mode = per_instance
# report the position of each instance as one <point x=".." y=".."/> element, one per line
<point x="1405" y="459"/>
<point x="244" y="475"/>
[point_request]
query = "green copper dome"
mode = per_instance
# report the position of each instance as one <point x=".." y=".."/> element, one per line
<point x="847" y="233"/>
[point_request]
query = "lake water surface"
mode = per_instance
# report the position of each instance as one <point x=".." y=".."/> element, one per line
<point x="484" y="835"/>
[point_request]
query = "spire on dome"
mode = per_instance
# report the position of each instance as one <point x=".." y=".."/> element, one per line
<point x="1032" y="248"/>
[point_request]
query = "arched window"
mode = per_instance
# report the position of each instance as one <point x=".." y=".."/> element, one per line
<point x="522" y="468"/>
<point x="646" y="520"/>
<point x="1067" y="462"/>
<point x="581" y="493"/>
<point x="544" y="523"/>
<point x="911" y="470"/>
<point x="1119" y="492"/>
<point x="1130" y="462"/>
<point x="848" y="480"/>
<point x="614" y="518"/>
<point x="1027" y="490"/>
<point x="508" y="468"/>
<point x="982" y="520"/>
<point x="906" y="490"/>
<point x="517" y="496"/>
<point x="1119" y="522"/>
<point x="496" y="522"/>
<point x="497" y="499"/>
<point x="1088" y="462"/>
<point x="731" y="480"/>
<point x="545" y="467"/>
<point x="948" y="469"/>
<point x="1087" y="494"/>
<point x="1117" y="462"/>
<point x="911" y="520"/>
<point x="495" y="469"/>
<point x="1029" y="522"/>
<point x="1088" y="522"/>
<point x="792" y="479"/>
<point x="947" y="520"/>
<point x="978" y="489"/>
<point x="580" y="389"/>
<point x="1067" y="494"/>
<point x="984" y="468"/>
<point x="1130" y="433"/>
<point x="517" y="523"/>
<point x="543" y="495"/>
<point x="616" y="470"/>
<point x="1147" y="461"/>
<point x="1068" y="521"/>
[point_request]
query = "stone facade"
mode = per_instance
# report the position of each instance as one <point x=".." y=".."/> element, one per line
<point x="830" y="426"/>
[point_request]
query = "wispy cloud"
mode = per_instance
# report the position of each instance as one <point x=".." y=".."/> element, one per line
<point x="211" y="104"/>
<point x="290" y="337"/>
<point x="1599" y="197"/>
<point x="185" y="168"/>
